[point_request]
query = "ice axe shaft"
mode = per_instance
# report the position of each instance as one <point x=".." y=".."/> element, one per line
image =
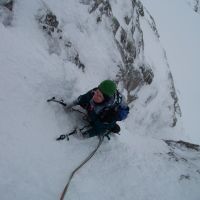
<point x="57" y="101"/>
<point x="63" y="136"/>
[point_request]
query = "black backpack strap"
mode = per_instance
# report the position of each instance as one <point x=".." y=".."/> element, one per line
<point x="118" y="98"/>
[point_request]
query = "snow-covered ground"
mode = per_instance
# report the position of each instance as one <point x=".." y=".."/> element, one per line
<point x="134" y="165"/>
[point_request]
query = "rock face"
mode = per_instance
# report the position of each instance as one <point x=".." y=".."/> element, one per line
<point x="134" y="70"/>
<point x="195" y="4"/>
<point x="58" y="43"/>
<point x="186" y="154"/>
<point x="7" y="4"/>
<point x="6" y="12"/>
<point x="129" y="40"/>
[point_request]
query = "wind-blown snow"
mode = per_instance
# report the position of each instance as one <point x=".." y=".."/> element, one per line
<point x="134" y="165"/>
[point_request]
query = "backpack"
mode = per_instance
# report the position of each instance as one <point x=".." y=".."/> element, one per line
<point x="122" y="108"/>
<point x="122" y="112"/>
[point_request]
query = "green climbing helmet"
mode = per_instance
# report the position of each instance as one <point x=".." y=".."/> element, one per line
<point x="108" y="88"/>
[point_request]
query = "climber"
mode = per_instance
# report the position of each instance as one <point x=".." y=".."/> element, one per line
<point x="105" y="106"/>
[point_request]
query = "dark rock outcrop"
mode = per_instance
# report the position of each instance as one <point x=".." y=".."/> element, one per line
<point x="57" y="42"/>
<point x="6" y="12"/>
<point x="130" y="44"/>
<point x="186" y="155"/>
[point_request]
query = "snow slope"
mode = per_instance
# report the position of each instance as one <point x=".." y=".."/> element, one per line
<point x="179" y="34"/>
<point x="134" y="165"/>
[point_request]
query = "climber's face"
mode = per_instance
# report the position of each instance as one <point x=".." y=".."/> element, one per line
<point x="98" y="96"/>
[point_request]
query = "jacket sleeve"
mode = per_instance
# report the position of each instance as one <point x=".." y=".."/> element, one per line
<point x="84" y="100"/>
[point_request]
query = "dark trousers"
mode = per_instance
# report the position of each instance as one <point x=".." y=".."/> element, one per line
<point x="100" y="128"/>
